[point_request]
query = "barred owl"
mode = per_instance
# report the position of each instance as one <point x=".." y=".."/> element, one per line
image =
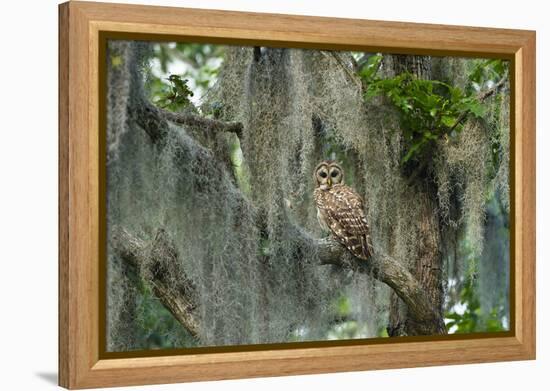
<point x="340" y="210"/>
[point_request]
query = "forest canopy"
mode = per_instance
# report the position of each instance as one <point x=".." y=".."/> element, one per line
<point x="213" y="236"/>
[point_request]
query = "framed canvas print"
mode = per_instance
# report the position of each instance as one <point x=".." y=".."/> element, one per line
<point x="251" y="195"/>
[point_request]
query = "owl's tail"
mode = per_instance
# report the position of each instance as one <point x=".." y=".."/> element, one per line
<point x="366" y="247"/>
<point x="360" y="246"/>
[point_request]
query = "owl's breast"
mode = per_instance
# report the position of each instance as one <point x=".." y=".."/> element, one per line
<point x="322" y="220"/>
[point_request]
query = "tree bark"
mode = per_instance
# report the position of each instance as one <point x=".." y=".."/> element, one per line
<point x="427" y="265"/>
<point x="157" y="265"/>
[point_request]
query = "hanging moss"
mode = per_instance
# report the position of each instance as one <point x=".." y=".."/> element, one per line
<point x="235" y="230"/>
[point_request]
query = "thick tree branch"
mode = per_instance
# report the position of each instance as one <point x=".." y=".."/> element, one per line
<point x="491" y="91"/>
<point x="155" y="121"/>
<point x="386" y="270"/>
<point x="158" y="265"/>
<point x="207" y="152"/>
<point x="160" y="260"/>
<point x="208" y="124"/>
<point x="351" y="76"/>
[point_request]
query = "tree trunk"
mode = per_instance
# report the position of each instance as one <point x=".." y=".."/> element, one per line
<point x="427" y="265"/>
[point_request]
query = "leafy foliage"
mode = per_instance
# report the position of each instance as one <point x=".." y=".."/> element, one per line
<point x="183" y="73"/>
<point x="477" y="296"/>
<point x="176" y="95"/>
<point x="467" y="316"/>
<point x="202" y="60"/>
<point x="429" y="109"/>
<point x="484" y="74"/>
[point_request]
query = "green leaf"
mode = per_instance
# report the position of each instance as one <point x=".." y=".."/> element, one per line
<point x="369" y="70"/>
<point x="429" y="104"/>
<point x="413" y="150"/>
<point x="448" y="121"/>
<point x="116" y="61"/>
<point x="476" y="108"/>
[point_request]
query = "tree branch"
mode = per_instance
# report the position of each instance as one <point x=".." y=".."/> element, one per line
<point x="481" y="97"/>
<point x="158" y="265"/>
<point x="159" y="261"/>
<point x="386" y="270"/>
<point x="155" y="121"/>
<point x="352" y="77"/>
<point x="203" y="122"/>
<point x="485" y="94"/>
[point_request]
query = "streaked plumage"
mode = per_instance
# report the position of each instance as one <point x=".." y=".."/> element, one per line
<point x="340" y="210"/>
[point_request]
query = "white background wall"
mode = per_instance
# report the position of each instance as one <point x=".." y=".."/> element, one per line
<point x="28" y="193"/>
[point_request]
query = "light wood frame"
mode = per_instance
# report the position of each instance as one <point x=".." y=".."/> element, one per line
<point x="80" y="24"/>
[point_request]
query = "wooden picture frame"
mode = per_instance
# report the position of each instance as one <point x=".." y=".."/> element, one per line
<point x="80" y="27"/>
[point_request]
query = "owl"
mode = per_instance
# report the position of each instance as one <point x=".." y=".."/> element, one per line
<point x="340" y="210"/>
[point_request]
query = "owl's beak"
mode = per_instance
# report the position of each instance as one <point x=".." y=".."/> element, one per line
<point x="329" y="182"/>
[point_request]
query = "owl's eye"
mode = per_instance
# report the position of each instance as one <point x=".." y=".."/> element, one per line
<point x="334" y="174"/>
<point x="323" y="174"/>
